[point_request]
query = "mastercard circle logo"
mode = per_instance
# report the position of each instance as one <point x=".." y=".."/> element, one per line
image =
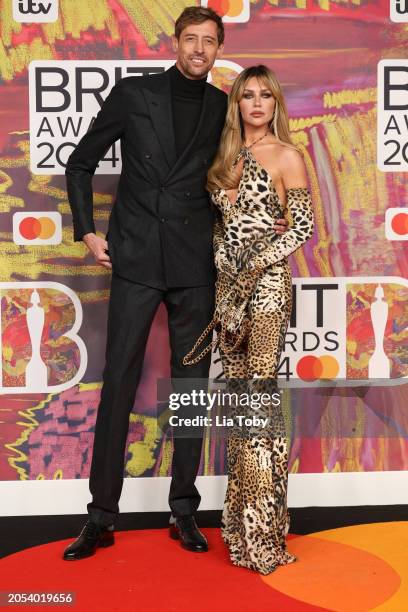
<point x="230" y="8"/>
<point x="311" y="368"/>
<point x="31" y="228"/>
<point x="399" y="223"/>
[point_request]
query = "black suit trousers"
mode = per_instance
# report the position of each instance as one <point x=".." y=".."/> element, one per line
<point x="132" y="307"/>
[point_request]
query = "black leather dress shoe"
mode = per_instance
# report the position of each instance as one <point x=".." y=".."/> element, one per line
<point x="185" y="529"/>
<point x="91" y="537"/>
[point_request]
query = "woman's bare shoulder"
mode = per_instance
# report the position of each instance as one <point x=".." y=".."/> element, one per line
<point x="280" y="158"/>
<point x="292" y="168"/>
<point x="290" y="155"/>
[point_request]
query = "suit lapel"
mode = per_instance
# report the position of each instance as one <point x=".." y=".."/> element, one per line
<point x="208" y="117"/>
<point x="159" y="104"/>
<point x="160" y="108"/>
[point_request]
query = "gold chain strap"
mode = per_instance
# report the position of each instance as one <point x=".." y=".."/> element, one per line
<point x="187" y="358"/>
<point x="220" y="316"/>
<point x="221" y="339"/>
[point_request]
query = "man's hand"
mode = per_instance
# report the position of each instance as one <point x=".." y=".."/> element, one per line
<point x="281" y="226"/>
<point x="98" y="246"/>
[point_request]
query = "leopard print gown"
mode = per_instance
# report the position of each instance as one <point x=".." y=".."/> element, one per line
<point x="255" y="519"/>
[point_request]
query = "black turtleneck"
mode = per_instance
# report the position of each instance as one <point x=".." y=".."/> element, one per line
<point x="187" y="98"/>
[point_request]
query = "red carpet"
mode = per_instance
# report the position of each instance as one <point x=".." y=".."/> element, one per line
<point x="353" y="568"/>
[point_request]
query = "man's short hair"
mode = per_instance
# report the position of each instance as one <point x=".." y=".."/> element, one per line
<point x="199" y="14"/>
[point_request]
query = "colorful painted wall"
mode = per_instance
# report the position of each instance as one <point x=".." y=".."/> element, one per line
<point x="326" y="56"/>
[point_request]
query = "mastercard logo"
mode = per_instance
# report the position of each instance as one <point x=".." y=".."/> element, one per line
<point x="399" y="224"/>
<point x="311" y="368"/>
<point x="41" y="227"/>
<point x="396" y="223"/>
<point x="230" y="10"/>
<point x="37" y="228"/>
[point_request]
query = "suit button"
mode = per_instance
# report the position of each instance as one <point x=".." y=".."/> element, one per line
<point x="162" y="219"/>
<point x="186" y="220"/>
<point x="162" y="188"/>
<point x="188" y="194"/>
<point x="147" y="155"/>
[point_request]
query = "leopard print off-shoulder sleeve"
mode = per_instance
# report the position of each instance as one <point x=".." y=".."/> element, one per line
<point x="300" y="204"/>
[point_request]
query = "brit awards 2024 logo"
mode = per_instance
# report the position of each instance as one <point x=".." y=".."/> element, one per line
<point x="40" y="346"/>
<point x="35" y="11"/>
<point x="348" y="330"/>
<point x="65" y="97"/>
<point x="352" y="329"/>
<point x="231" y="11"/>
<point x="392" y="115"/>
<point x="399" y="10"/>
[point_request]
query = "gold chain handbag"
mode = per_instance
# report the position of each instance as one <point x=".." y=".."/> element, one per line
<point x="230" y="319"/>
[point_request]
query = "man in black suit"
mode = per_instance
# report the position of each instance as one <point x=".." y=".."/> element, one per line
<point x="159" y="246"/>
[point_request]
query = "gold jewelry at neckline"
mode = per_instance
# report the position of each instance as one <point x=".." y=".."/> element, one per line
<point x="256" y="140"/>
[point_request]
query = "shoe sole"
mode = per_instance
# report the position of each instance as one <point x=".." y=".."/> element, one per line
<point x="104" y="544"/>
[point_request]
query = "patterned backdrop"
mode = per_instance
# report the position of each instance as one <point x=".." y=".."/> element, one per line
<point x="325" y="54"/>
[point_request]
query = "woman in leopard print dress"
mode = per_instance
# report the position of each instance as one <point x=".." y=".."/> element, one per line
<point x="256" y="175"/>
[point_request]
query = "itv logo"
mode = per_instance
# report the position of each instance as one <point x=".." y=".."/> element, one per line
<point x="35" y="11"/>
<point x="399" y="11"/>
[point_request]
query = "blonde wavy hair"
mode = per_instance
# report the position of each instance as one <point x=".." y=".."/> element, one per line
<point x="221" y="174"/>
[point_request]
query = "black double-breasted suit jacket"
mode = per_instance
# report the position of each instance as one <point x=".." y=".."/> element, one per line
<point x="161" y="223"/>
